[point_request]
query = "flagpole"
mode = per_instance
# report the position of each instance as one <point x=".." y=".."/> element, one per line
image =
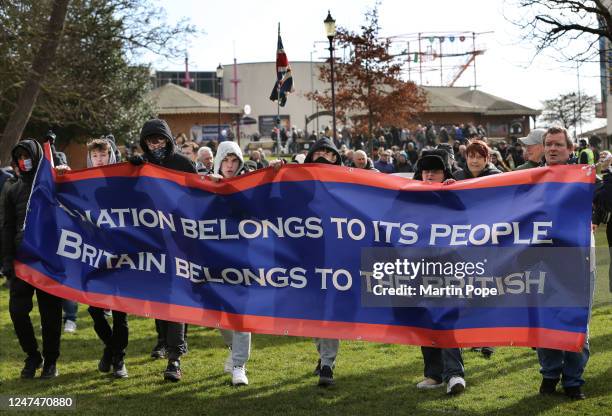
<point x="278" y="121"/>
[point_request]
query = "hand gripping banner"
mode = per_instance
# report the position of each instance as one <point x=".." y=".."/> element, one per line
<point x="323" y="251"/>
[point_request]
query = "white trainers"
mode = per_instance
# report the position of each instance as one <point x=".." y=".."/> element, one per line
<point x="456" y="385"/>
<point x="429" y="383"/>
<point x="239" y="376"/>
<point x="228" y="366"/>
<point x="69" y="326"/>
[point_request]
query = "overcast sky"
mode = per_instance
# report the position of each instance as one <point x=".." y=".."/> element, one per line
<point x="247" y="29"/>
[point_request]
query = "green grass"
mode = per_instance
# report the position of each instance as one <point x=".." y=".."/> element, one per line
<point x="372" y="379"/>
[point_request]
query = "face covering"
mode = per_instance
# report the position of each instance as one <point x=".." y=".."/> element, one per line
<point x="25" y="165"/>
<point x="159" y="154"/>
<point x="321" y="159"/>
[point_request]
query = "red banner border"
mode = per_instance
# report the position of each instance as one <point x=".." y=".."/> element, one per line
<point x="329" y="173"/>
<point x="472" y="337"/>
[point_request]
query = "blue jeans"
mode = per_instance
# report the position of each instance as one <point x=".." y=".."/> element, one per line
<point x="442" y="363"/>
<point x="70" y="310"/>
<point x="566" y="365"/>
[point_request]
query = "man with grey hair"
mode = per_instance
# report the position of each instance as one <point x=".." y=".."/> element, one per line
<point x="362" y="161"/>
<point x="204" y="162"/>
<point x="256" y="156"/>
<point x="534" y="149"/>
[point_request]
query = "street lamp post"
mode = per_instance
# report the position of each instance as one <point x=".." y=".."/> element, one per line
<point x="219" y="78"/>
<point x="330" y="31"/>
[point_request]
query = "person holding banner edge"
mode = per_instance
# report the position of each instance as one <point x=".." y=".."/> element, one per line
<point x="441" y="365"/>
<point x="556" y="365"/>
<point x="157" y="143"/>
<point x="324" y="151"/>
<point x="115" y="339"/>
<point x="229" y="163"/>
<point x="27" y="155"/>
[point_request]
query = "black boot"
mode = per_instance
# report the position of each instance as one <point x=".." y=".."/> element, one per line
<point x="487" y="352"/>
<point x="49" y="370"/>
<point x="173" y="371"/>
<point x="326" y="376"/>
<point x="549" y="385"/>
<point x="32" y="363"/>
<point x="574" y="393"/>
<point x="159" y="351"/>
<point x="104" y="365"/>
<point x="317" y="369"/>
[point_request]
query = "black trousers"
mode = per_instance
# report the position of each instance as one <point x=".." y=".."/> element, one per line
<point x="50" y="309"/>
<point x="172" y="335"/>
<point x="115" y="339"/>
<point x="609" y="236"/>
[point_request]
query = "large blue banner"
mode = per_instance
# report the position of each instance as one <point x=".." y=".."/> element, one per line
<point x="326" y="251"/>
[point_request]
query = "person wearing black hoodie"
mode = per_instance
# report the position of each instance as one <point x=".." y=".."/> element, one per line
<point x="158" y="145"/>
<point x="433" y="167"/>
<point x="441" y="365"/>
<point x="26" y="156"/>
<point x="324" y="151"/>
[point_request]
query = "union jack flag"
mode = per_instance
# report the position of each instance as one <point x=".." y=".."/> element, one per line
<point x="284" y="79"/>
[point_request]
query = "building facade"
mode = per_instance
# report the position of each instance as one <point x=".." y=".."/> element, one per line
<point x="447" y="105"/>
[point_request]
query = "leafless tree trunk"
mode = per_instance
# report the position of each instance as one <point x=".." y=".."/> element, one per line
<point x="27" y="98"/>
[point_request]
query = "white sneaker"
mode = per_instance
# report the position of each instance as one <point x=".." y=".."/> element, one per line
<point x="429" y="383"/>
<point x="456" y="385"/>
<point x="69" y="326"/>
<point x="228" y="366"/>
<point x="239" y="376"/>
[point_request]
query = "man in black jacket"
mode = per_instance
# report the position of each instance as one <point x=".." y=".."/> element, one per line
<point x="26" y="156"/>
<point x="157" y="143"/>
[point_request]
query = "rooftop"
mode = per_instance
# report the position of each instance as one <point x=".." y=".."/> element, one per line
<point x="467" y="100"/>
<point x="174" y="99"/>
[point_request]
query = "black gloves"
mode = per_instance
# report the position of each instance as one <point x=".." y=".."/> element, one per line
<point x="136" y="160"/>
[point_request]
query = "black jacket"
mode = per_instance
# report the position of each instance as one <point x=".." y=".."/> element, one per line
<point x="172" y="160"/>
<point x="466" y="174"/>
<point x="16" y="202"/>
<point x="602" y="200"/>
<point x="324" y="143"/>
<point x="369" y="165"/>
<point x="404" y="167"/>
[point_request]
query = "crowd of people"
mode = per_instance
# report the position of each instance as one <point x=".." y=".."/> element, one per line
<point x="432" y="158"/>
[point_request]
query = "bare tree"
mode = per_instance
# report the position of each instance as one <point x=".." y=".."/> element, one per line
<point x="27" y="98"/>
<point x="558" y="23"/>
<point x="569" y="110"/>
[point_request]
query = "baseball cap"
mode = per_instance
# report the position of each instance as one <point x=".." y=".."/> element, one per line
<point x="535" y="136"/>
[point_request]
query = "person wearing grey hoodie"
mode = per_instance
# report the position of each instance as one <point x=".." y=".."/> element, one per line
<point x="229" y="163"/>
